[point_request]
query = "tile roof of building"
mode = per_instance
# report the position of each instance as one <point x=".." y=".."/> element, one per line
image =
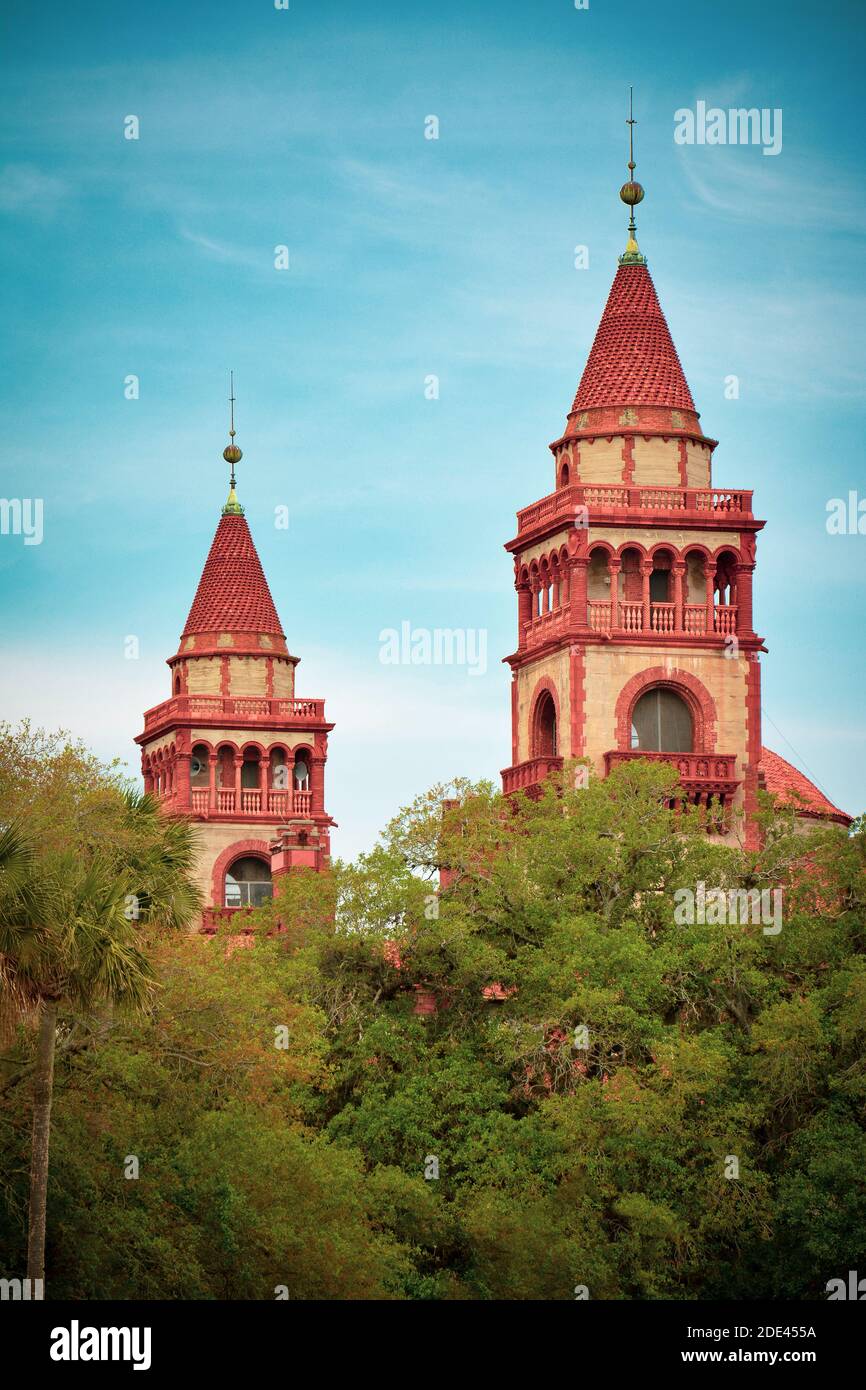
<point x="792" y="786"/>
<point x="633" y="360"/>
<point x="233" y="593"/>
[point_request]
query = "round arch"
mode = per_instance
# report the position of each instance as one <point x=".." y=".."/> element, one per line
<point x="241" y="849"/>
<point x="544" y="695"/>
<point x="700" y="703"/>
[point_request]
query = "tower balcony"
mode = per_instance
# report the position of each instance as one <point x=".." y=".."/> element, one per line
<point x="706" y="507"/>
<point x="662" y="619"/>
<point x="705" y="779"/>
<point x="529" y="776"/>
<point x="244" y="709"/>
<point x="246" y="803"/>
<point x="703" y="776"/>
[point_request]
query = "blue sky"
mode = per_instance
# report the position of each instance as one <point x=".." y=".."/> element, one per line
<point x="408" y="258"/>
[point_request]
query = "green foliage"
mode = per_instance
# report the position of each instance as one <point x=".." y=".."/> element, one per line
<point x="486" y="1149"/>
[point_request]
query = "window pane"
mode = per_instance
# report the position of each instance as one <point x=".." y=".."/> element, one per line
<point x="662" y="723"/>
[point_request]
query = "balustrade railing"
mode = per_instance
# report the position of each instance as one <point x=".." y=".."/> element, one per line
<point x="599" y="615"/>
<point x="219" y="707"/>
<point x="251" y="801"/>
<point x="601" y="498"/>
<point x="529" y="774"/>
<point x="725" y="618"/>
<point x="695" y="619"/>
<point x="662" y="617"/>
<point x="631" y="617"/>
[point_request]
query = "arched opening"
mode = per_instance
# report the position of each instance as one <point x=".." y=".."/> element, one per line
<point x="177" y="685"/>
<point x="279" y="769"/>
<point x="725" y="582"/>
<point x="544" y="727"/>
<point x="660" y="577"/>
<point x="250" y="769"/>
<point x="226" y="768"/>
<point x="247" y="883"/>
<point x="301" y="772"/>
<point x="198" y="766"/>
<point x="661" y="722"/>
<point x="563" y="476"/>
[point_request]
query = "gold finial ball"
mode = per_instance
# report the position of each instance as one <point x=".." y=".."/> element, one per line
<point x="232" y="454"/>
<point x="631" y="193"/>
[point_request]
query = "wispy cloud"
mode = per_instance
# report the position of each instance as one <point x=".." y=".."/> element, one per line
<point x="26" y="189"/>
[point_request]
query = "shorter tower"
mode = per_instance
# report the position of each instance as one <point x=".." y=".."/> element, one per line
<point x="233" y="747"/>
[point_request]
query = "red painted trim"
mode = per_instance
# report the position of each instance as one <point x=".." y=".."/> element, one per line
<point x="258" y="849"/>
<point x="754" y="745"/>
<point x="544" y="683"/>
<point x="577" y="683"/>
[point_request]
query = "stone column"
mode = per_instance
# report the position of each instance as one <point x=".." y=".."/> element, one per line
<point x="317" y="783"/>
<point x="577" y="588"/>
<point x="711" y="627"/>
<point x="744" y="599"/>
<point x="679" y="570"/>
<point x="646" y="569"/>
<point x="614" y="566"/>
<point x="524" y="610"/>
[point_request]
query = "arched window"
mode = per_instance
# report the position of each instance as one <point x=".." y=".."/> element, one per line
<point x="279" y="769"/>
<point x="177" y="685"/>
<point x="725" y="578"/>
<point x="544" y="727"/>
<point x="250" y="769"/>
<point x="198" y="766"/>
<point x="248" y="883"/>
<point x="563" y="477"/>
<point x="302" y="770"/>
<point x="661" y="723"/>
<point x="660" y="577"/>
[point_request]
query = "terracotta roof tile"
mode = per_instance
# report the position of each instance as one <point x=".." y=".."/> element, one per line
<point x="633" y="360"/>
<point x="233" y="594"/>
<point x="791" y="785"/>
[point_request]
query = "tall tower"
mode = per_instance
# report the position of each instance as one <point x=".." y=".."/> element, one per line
<point x="233" y="747"/>
<point x="634" y="577"/>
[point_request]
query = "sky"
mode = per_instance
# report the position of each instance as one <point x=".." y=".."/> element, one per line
<point x="409" y="258"/>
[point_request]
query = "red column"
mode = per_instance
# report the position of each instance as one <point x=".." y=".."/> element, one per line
<point x="317" y="783"/>
<point x="184" y="791"/>
<point x="646" y="570"/>
<point x="524" y="610"/>
<point x="578" y="580"/>
<point x="710" y="592"/>
<point x="212" y="762"/>
<point x="679" y="570"/>
<point x="614" y="567"/>
<point x="744" y="598"/>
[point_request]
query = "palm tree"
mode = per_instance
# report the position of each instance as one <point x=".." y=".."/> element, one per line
<point x="70" y="935"/>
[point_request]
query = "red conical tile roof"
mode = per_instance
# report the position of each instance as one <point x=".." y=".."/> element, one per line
<point x="793" y="787"/>
<point x="233" y="594"/>
<point x="633" y="360"/>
